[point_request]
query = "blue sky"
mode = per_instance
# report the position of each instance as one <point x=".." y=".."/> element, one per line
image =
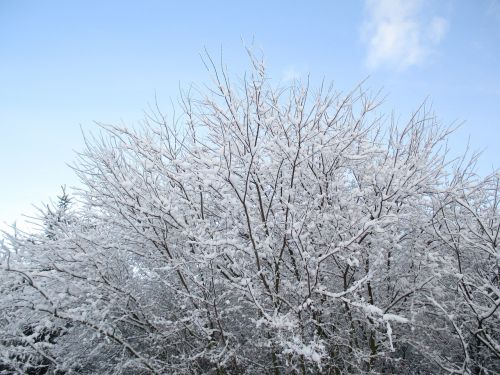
<point x="65" y="64"/>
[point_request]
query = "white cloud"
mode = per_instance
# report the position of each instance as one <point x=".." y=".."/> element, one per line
<point x="437" y="29"/>
<point x="397" y="35"/>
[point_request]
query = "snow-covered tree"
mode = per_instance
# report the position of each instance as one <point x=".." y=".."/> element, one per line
<point x="269" y="230"/>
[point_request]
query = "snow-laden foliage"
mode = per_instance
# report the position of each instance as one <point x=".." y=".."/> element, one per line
<point x="268" y="231"/>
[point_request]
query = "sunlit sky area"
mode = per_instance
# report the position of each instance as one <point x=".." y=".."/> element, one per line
<point x="66" y="64"/>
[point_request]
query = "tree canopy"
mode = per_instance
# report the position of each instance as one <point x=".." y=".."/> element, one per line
<point x="269" y="230"/>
